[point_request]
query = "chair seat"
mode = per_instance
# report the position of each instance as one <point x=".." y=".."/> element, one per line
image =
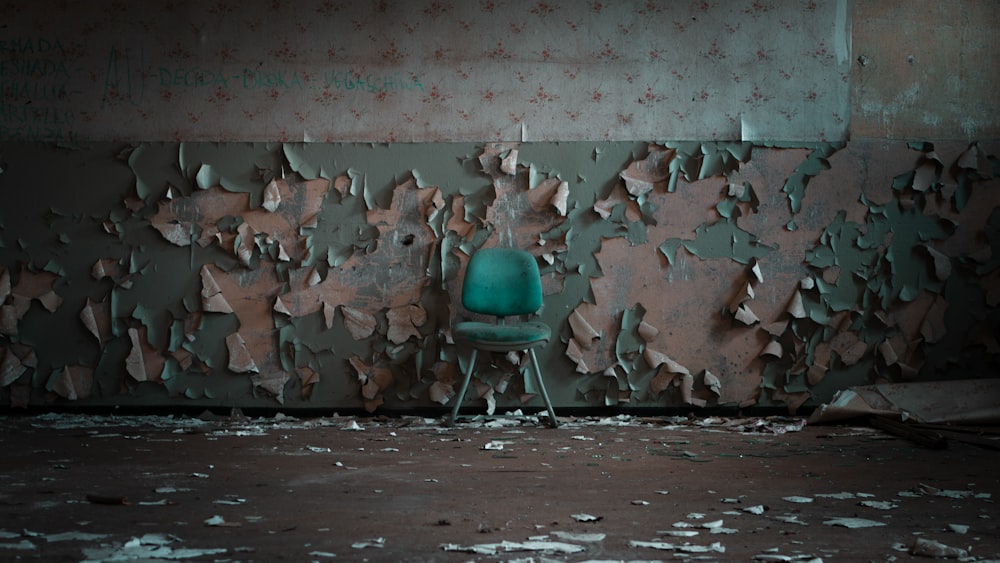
<point x="514" y="336"/>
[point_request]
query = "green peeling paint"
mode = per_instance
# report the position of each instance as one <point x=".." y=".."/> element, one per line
<point x="722" y="239"/>
<point x="376" y="240"/>
<point x="815" y="163"/>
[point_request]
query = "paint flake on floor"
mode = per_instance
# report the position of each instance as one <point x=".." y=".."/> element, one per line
<point x="150" y="547"/>
<point x="545" y="547"/>
<point x="849" y="522"/>
<point x="529" y="453"/>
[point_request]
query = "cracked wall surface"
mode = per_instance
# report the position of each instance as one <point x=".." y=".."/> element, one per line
<point x="325" y="276"/>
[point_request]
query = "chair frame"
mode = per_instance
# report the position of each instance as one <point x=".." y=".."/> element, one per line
<point x="491" y="347"/>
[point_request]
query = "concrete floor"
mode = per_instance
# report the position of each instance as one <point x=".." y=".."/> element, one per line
<point x="98" y="488"/>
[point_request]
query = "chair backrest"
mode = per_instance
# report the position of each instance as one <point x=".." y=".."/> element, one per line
<point x="502" y="282"/>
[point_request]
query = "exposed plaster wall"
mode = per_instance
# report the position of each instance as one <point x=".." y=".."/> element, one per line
<point x="324" y="275"/>
<point x="925" y="70"/>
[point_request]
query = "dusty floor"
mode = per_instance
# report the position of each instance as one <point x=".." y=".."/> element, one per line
<point x="102" y="488"/>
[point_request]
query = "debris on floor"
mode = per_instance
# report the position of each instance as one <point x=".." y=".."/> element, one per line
<point x="847" y="522"/>
<point x="149" y="547"/>
<point x="932" y="548"/>
<point x="774" y="554"/>
<point x="580" y="537"/>
<point x="541" y="546"/>
<point x="715" y="547"/>
<point x="969" y="401"/>
<point x="373" y="542"/>
<point x="309" y="486"/>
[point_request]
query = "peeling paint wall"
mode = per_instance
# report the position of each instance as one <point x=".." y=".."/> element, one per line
<point x="767" y="270"/>
<point x="325" y="275"/>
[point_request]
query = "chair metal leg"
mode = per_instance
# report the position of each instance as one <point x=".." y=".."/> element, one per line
<point x="541" y="387"/>
<point x="465" y="387"/>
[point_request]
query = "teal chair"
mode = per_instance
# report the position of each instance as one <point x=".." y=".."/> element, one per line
<point x="503" y="282"/>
